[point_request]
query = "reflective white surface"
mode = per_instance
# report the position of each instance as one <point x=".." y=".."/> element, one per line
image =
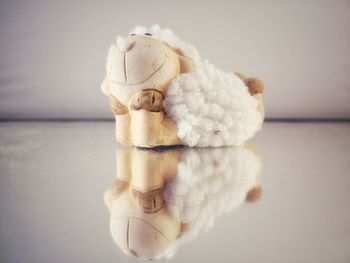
<point x="54" y="176"/>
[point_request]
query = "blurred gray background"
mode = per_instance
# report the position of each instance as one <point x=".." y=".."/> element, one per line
<point x="53" y="52"/>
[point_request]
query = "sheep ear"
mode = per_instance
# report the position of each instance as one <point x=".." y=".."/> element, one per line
<point x="105" y="87"/>
<point x="186" y="64"/>
<point x="111" y="49"/>
<point x="108" y="199"/>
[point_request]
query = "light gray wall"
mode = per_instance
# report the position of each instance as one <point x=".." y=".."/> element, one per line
<point x="53" y="52"/>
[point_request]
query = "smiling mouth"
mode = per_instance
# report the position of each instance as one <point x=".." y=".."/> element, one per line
<point x="137" y="82"/>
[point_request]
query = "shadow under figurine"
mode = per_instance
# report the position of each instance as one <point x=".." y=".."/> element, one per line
<point x="163" y="199"/>
<point x="162" y="93"/>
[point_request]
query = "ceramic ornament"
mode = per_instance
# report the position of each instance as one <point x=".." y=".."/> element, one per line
<point x="163" y="93"/>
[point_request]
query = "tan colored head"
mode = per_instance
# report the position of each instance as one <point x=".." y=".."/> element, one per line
<point x="141" y="62"/>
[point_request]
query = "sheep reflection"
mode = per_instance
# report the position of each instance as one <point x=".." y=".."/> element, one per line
<point x="164" y="198"/>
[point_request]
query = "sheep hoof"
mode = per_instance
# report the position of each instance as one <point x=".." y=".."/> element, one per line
<point x="255" y="86"/>
<point x="147" y="99"/>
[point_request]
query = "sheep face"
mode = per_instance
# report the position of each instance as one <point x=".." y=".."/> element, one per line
<point x="140" y="62"/>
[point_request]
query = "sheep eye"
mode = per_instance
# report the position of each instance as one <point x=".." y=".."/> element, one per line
<point x="132" y="35"/>
<point x="148" y="34"/>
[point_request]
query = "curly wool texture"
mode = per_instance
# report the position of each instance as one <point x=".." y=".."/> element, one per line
<point x="208" y="184"/>
<point x="210" y="107"/>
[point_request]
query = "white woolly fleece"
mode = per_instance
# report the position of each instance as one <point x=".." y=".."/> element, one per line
<point x="209" y="182"/>
<point x="210" y="107"/>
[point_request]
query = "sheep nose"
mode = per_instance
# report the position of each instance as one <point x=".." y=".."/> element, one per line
<point x="125" y="46"/>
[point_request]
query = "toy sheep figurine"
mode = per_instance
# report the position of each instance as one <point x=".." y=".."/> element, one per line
<point x="162" y="93"/>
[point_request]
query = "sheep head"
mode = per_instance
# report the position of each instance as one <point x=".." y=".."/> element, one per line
<point x="141" y="62"/>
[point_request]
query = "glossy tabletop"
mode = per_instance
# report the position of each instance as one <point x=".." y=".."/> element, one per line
<point x="69" y="193"/>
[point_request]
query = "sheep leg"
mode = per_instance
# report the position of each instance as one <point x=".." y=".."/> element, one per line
<point x="150" y="129"/>
<point x="122" y="119"/>
<point x="255" y="85"/>
<point x="256" y="88"/>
